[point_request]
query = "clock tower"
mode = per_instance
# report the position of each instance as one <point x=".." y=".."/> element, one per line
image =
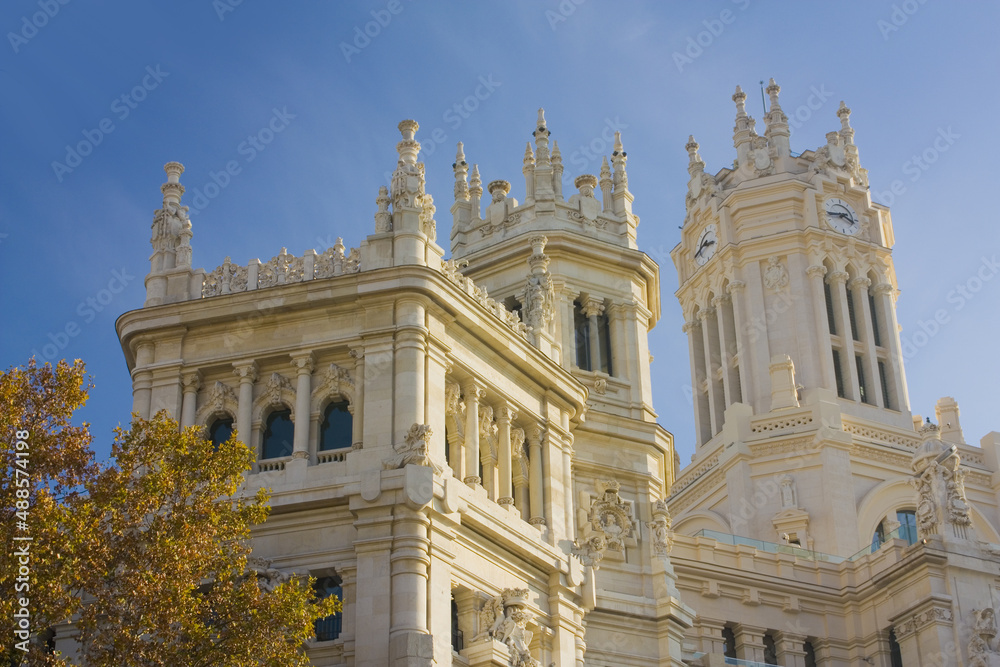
<point x="789" y="299"/>
<point x="786" y="278"/>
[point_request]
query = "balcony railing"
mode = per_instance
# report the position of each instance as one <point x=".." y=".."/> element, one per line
<point x="797" y="551"/>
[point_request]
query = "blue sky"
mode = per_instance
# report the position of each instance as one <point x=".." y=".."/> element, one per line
<point x="140" y="84"/>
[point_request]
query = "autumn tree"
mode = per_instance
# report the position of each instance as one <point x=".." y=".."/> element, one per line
<point x="149" y="555"/>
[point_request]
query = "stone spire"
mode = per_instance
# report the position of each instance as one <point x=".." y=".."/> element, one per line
<point x="408" y="179"/>
<point x="846" y="131"/>
<point x="743" y="131"/>
<point x="170" y="263"/>
<point x="777" y="131"/>
<point x="696" y="165"/>
<point x="557" y="170"/>
<point x="529" y="174"/>
<point x="461" y="169"/>
<point x="606" y="183"/>
<point x="543" y="163"/>
<point x="476" y="193"/>
<point x="622" y="196"/>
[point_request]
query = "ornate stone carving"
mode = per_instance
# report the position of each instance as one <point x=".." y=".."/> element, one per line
<point x="775" y="275"/>
<point x="609" y="524"/>
<point x="451" y="268"/>
<point x="383" y="219"/>
<point x="660" y="529"/>
<point x="274" y="387"/>
<point x="940" y="484"/>
<point x="601" y="386"/>
<point x="789" y="496"/>
<point x="540" y="294"/>
<point x="268" y="577"/>
<point x="505" y="619"/>
<point x="427" y="210"/>
<point x="414" y="450"/>
<point x="274" y="271"/>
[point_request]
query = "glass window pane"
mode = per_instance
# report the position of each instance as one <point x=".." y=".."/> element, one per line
<point x="337" y="427"/>
<point x="220" y="431"/>
<point x="278" y="436"/>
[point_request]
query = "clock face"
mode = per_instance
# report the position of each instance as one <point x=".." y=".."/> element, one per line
<point x="841" y="216"/>
<point x="707" y="244"/>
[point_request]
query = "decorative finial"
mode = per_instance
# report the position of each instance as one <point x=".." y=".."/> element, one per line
<point x="461" y="169"/>
<point x="605" y="169"/>
<point x="541" y="120"/>
<point x="845" y="117"/>
<point x="408" y="148"/>
<point x="475" y="184"/>
<point x="618" y="144"/>
<point x="499" y="190"/>
<point x="556" y="155"/>
<point x="740" y="98"/>
<point x="695" y="163"/>
<point x="529" y="155"/>
<point x="772" y="91"/>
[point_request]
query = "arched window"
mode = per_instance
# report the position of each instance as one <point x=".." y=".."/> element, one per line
<point x="328" y="629"/>
<point x="278" y="435"/>
<point x="907" y="530"/>
<point x="337" y="428"/>
<point x="220" y="431"/>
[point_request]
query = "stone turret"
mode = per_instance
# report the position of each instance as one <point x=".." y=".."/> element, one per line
<point x="170" y="277"/>
<point x="411" y="236"/>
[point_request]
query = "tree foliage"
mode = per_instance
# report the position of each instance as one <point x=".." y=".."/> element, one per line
<point x="149" y="555"/>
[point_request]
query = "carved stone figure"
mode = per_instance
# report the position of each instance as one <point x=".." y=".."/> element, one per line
<point x="660" y="528"/>
<point x="414" y="450"/>
<point x="383" y="219"/>
<point x="609" y="524"/>
<point x="788" y="493"/>
<point x="505" y="619"/>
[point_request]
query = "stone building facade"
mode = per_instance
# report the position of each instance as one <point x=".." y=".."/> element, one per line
<point x="466" y="450"/>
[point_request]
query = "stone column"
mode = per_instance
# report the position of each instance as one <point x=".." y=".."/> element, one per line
<point x="372" y="549"/>
<point x="520" y="472"/>
<point x="791" y="649"/>
<point x="505" y="415"/>
<point x="736" y="288"/>
<point x="189" y="404"/>
<point x="720" y="303"/>
<point x="702" y="425"/>
<point x="473" y="392"/>
<point x="838" y="284"/>
<point x="142" y="380"/>
<point x="885" y="302"/>
<point x="535" y="476"/>
<point x="486" y="426"/>
<point x="859" y="288"/>
<point x="621" y="361"/>
<point x="303" y="393"/>
<point x="409" y="561"/>
<point x="593" y="309"/>
<point x="247" y="372"/>
<point x="715" y="419"/>
<point x="749" y="643"/>
<point x="358" y="401"/>
<point x="411" y="342"/>
<point x="816" y="273"/>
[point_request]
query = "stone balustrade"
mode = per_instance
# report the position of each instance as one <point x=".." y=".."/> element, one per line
<point x="283" y="269"/>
